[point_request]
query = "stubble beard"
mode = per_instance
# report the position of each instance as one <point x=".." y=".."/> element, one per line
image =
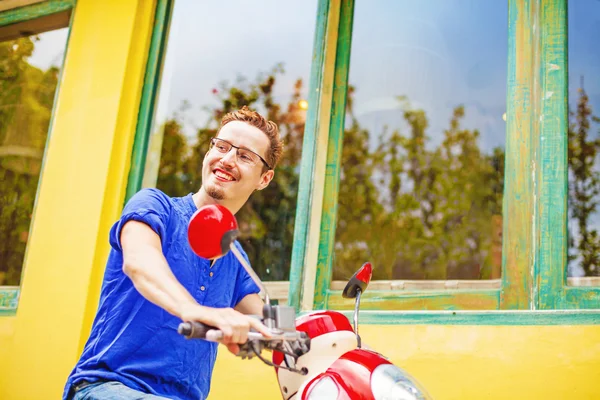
<point x="216" y="193"/>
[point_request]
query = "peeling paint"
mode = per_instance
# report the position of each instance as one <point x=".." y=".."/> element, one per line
<point x="553" y="67"/>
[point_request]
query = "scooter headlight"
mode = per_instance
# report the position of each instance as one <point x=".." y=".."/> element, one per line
<point x="389" y="382"/>
<point x="324" y="389"/>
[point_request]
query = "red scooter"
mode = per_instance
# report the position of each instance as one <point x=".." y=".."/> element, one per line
<point x="317" y="355"/>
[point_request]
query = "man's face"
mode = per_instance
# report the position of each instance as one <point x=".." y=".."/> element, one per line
<point x="227" y="179"/>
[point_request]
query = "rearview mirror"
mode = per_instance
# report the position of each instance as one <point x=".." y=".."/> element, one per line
<point x="211" y="231"/>
<point x="360" y="280"/>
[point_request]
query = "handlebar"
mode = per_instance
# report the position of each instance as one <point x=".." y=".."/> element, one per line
<point x="292" y="343"/>
<point x="198" y="330"/>
<point x="284" y="338"/>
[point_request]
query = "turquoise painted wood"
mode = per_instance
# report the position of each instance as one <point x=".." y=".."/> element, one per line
<point x="158" y="44"/>
<point x="493" y="318"/>
<point x="518" y="199"/>
<point x="580" y="298"/>
<point x="9" y="299"/>
<point x="307" y="164"/>
<point x="424" y="300"/>
<point x="334" y="155"/>
<point x="33" y="11"/>
<point x="552" y="159"/>
<point x="551" y="271"/>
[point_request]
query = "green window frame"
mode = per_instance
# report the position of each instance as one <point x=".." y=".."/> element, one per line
<point x="9" y="295"/>
<point x="535" y="204"/>
<point x="156" y="53"/>
<point x="551" y="265"/>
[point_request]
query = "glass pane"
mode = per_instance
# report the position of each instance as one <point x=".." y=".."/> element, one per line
<point x="256" y="56"/>
<point x="29" y="71"/>
<point x="423" y="160"/>
<point x="584" y="138"/>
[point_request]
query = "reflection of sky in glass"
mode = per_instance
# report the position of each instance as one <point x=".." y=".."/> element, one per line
<point x="584" y="64"/>
<point x="50" y="49"/>
<point x="437" y="53"/>
<point x="584" y="55"/>
<point x="212" y="42"/>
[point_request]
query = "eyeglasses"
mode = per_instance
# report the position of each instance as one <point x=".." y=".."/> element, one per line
<point x="245" y="156"/>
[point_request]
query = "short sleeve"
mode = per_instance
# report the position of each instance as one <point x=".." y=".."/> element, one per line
<point x="150" y="206"/>
<point x="244" y="285"/>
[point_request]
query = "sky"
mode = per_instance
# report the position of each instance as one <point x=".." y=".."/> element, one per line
<point x="226" y="40"/>
<point x="437" y="53"/>
<point x="50" y="49"/>
<point x="584" y="52"/>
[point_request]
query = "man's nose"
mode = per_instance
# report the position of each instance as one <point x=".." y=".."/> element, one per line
<point x="230" y="157"/>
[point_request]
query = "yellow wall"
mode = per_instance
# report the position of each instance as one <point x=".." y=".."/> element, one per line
<point x="7" y="329"/>
<point x="460" y="362"/>
<point x="81" y="194"/>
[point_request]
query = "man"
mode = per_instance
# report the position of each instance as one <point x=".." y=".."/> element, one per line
<point x="153" y="280"/>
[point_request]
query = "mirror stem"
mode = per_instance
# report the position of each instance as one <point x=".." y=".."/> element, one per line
<point x="356" y="307"/>
<point x="250" y="272"/>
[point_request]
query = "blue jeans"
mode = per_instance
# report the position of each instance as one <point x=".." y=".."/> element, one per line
<point x="112" y="391"/>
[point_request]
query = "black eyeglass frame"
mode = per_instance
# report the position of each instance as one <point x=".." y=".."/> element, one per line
<point x="213" y="141"/>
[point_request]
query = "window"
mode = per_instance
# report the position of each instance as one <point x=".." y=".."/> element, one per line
<point x="423" y="149"/>
<point x="31" y="56"/>
<point x="421" y="156"/>
<point x="220" y="57"/>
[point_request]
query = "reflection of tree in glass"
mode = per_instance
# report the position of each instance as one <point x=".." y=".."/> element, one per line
<point x="26" y="97"/>
<point x="432" y="214"/>
<point x="584" y="187"/>
<point x="266" y="221"/>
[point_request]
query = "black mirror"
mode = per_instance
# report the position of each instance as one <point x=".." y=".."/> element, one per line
<point x="360" y="280"/>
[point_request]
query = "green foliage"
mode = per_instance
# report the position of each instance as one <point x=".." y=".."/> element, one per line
<point x="26" y="98"/>
<point x="433" y="211"/>
<point x="584" y="187"/>
<point x="414" y="212"/>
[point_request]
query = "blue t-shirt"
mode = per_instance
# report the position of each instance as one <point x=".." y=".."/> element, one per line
<point x="136" y="342"/>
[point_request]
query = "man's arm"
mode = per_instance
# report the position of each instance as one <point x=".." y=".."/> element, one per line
<point x="252" y="304"/>
<point x="146" y="266"/>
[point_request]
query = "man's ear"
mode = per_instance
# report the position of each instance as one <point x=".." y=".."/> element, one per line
<point x="265" y="179"/>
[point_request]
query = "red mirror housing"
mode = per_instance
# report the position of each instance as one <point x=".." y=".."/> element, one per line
<point x="211" y="231"/>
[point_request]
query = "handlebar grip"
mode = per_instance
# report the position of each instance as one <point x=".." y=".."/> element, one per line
<point x="195" y="330"/>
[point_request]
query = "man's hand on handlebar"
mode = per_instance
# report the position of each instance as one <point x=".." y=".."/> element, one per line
<point x="234" y="325"/>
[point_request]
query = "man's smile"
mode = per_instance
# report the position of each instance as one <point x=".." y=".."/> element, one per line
<point x="223" y="176"/>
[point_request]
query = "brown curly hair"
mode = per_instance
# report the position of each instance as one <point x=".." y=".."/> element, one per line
<point x="268" y="127"/>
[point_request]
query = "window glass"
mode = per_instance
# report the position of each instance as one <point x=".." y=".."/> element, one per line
<point x="422" y="169"/>
<point x="29" y="72"/>
<point x="220" y="57"/>
<point x="584" y="138"/>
